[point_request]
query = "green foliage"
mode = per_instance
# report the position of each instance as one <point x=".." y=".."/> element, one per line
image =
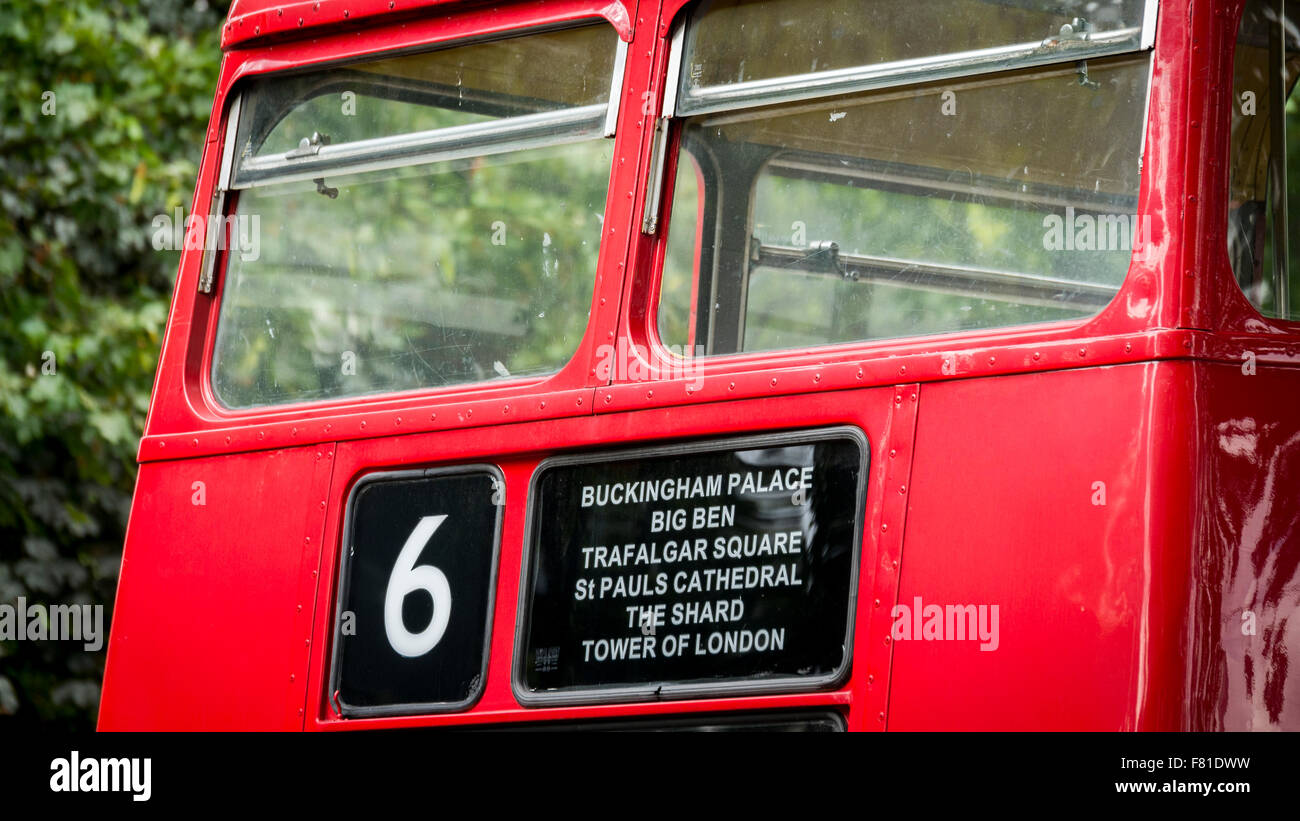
<point x="103" y="105"/>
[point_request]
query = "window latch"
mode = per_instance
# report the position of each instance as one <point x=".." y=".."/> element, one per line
<point x="1084" y="81"/>
<point x="308" y="146"/>
<point x="821" y="256"/>
<point x="827" y="252"/>
<point x="1077" y="29"/>
<point x="324" y="190"/>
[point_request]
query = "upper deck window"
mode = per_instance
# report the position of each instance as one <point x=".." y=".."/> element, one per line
<point x="424" y="220"/>
<point x="744" y="51"/>
<point x="1264" y="164"/>
<point x="898" y="168"/>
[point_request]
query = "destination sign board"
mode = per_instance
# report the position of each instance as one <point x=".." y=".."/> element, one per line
<point x="727" y="566"/>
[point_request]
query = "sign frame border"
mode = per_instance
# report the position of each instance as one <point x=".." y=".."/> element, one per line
<point x="343" y="584"/>
<point x="659" y="691"/>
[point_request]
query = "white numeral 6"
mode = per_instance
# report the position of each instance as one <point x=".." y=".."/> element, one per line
<point x="405" y="579"/>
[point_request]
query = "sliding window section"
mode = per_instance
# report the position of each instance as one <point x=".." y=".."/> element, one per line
<point x="851" y="172"/>
<point x="422" y="221"/>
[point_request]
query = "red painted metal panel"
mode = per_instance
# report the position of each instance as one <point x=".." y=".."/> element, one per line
<point x="260" y="20"/>
<point x="1246" y="578"/>
<point x="517" y="449"/>
<point x="207" y="632"/>
<point x="889" y="507"/>
<point x="1091" y="592"/>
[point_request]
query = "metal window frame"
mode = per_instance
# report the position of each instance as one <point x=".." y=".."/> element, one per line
<point x="436" y="145"/>
<point x="788" y="88"/>
<point x="1277" y="170"/>
<point x="663" y="129"/>
<point x="962" y="280"/>
<point x="427" y="147"/>
<point x="217" y="205"/>
<point x="616" y="88"/>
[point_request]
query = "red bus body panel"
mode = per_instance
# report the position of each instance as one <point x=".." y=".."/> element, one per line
<point x="1122" y="611"/>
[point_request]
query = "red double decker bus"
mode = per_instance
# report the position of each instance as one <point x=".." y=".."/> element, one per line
<point x="735" y="363"/>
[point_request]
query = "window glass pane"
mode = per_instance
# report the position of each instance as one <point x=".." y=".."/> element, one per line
<point x="677" y="317"/>
<point x="1265" y="158"/>
<point x="463" y="272"/>
<point x="455" y="86"/>
<point x="473" y="263"/>
<point x="994" y="201"/>
<point x="1293" y="201"/>
<point x="732" y="43"/>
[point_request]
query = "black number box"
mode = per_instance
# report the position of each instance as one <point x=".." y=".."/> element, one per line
<point x="418" y="574"/>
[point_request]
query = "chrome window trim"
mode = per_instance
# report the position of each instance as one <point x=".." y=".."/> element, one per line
<point x="1149" y="15"/>
<point x="228" y="151"/>
<point x="945" y="278"/>
<point x="788" y="88"/>
<point x="421" y="147"/>
<point x="616" y="88"/>
<point x="1277" y="171"/>
<point x="655" y="189"/>
<point x="675" y="56"/>
<point x="217" y="206"/>
<point x="546" y="128"/>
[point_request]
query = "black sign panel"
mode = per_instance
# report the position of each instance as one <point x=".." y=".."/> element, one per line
<point x="415" y="603"/>
<point x="698" y="569"/>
